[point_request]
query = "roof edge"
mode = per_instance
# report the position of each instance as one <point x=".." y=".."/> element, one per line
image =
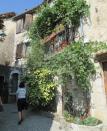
<point x="30" y="11"/>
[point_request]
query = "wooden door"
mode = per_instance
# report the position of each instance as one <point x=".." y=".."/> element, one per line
<point x="105" y="75"/>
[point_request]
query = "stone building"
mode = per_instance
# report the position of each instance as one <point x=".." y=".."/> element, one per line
<point x="15" y="48"/>
<point x="95" y="30"/>
<point x="7" y="39"/>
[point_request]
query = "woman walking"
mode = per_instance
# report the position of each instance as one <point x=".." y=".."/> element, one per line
<point x="21" y="101"/>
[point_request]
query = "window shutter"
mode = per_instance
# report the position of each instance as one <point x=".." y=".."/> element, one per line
<point x="24" y="51"/>
<point x="19" y="26"/>
<point x="28" y="21"/>
<point x="19" y="51"/>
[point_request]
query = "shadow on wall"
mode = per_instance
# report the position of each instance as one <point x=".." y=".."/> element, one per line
<point x="76" y="100"/>
<point x="7" y="86"/>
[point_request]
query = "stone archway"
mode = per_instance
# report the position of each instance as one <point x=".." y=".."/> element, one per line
<point x="99" y="90"/>
<point x="102" y="58"/>
<point x="13" y="81"/>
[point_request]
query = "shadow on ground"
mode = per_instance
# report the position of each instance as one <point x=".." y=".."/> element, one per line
<point x="33" y="121"/>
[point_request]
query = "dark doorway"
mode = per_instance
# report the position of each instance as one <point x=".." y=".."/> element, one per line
<point x="1" y="85"/>
<point x="1" y="81"/>
<point x="14" y="82"/>
<point x="105" y="75"/>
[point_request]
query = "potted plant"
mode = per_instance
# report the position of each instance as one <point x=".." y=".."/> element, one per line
<point x="86" y="124"/>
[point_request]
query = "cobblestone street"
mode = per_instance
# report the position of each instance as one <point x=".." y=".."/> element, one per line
<point x="32" y="122"/>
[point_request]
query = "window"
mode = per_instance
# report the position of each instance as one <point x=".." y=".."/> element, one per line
<point x="2" y="35"/>
<point x="28" y="21"/>
<point x="56" y="44"/>
<point x="22" y="50"/>
<point x="19" y="51"/>
<point x="19" y="26"/>
<point x="24" y="23"/>
<point x="14" y="83"/>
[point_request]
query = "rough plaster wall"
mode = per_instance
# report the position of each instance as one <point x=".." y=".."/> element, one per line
<point x="19" y="38"/>
<point x="98" y="97"/>
<point x="96" y="29"/>
<point x="34" y="16"/>
<point x="7" y="46"/>
<point x="78" y="99"/>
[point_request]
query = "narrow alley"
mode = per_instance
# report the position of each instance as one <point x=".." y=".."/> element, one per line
<point x="32" y="122"/>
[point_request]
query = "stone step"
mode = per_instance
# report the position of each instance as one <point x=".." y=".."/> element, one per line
<point x="105" y="128"/>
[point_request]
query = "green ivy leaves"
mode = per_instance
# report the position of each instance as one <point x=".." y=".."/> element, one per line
<point x="67" y="12"/>
<point x="75" y="61"/>
<point x="41" y="87"/>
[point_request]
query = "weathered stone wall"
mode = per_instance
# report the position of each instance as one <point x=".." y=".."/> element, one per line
<point x="95" y="29"/>
<point x="7" y="46"/>
<point x="98" y="96"/>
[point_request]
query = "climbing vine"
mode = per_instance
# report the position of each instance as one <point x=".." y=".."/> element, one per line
<point x="74" y="60"/>
<point x="42" y="87"/>
<point x="67" y="12"/>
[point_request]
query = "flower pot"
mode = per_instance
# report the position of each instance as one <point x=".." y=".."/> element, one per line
<point x="76" y="127"/>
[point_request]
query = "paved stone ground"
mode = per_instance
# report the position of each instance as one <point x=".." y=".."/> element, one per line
<point x="32" y="122"/>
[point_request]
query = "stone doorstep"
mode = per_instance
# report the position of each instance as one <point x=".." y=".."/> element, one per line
<point x="105" y="128"/>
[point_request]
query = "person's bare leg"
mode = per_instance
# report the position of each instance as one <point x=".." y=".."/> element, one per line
<point x="20" y="115"/>
<point x="1" y="101"/>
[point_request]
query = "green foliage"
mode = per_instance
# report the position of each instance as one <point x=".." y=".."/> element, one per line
<point x="66" y="12"/>
<point x="74" y="61"/>
<point x="68" y="117"/>
<point x="67" y="62"/>
<point x="70" y="11"/>
<point x="41" y="87"/>
<point x="97" y="46"/>
<point x="89" y="121"/>
<point x="36" y="57"/>
<point x="46" y="21"/>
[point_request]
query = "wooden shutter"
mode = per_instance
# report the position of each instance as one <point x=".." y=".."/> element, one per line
<point x="19" y="51"/>
<point x="19" y="26"/>
<point x="28" y="20"/>
<point x="24" y="50"/>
